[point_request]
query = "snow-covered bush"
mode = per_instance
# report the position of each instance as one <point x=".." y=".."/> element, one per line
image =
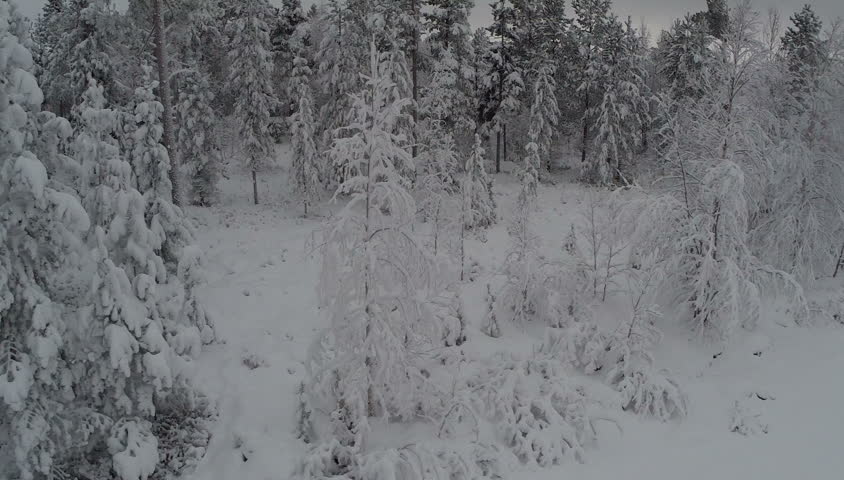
<point x="747" y="415"/>
<point x="598" y="241"/>
<point x="535" y="408"/>
<point x="417" y="461"/>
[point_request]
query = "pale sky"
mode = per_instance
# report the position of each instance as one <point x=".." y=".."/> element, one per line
<point x="658" y="14"/>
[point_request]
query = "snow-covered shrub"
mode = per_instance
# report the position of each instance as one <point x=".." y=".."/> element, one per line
<point x="304" y="425"/>
<point x="597" y="242"/>
<point x="418" y="461"/>
<point x="746" y="416"/>
<point x="183" y="429"/>
<point x="491" y="326"/>
<point x="134" y="449"/>
<point x="581" y="345"/>
<point x="448" y="310"/>
<point x="535" y="408"/>
<point x="646" y="391"/>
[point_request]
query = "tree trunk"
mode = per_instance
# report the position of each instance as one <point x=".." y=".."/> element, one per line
<point x="498" y="151"/>
<point x="415" y="74"/>
<point x="164" y="96"/>
<point x="838" y="263"/>
<point x="585" y="136"/>
<point x="255" y="186"/>
<point x="505" y="142"/>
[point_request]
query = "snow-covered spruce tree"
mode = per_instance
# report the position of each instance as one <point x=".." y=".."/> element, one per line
<point x="151" y="173"/>
<point x="41" y="257"/>
<point x="522" y="264"/>
<point x="477" y="190"/>
<point x="341" y="52"/>
<point x="81" y="52"/>
<point x="196" y="139"/>
<point x="375" y="277"/>
<point x="683" y="55"/>
<point x="544" y="117"/>
<point x="619" y="113"/>
<point x="306" y="158"/>
<point x="144" y="326"/>
<point x="251" y="74"/>
<point x="591" y="24"/>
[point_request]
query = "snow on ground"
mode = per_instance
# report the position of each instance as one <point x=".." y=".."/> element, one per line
<point x="262" y="287"/>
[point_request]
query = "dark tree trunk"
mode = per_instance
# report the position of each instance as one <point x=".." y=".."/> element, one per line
<point x="164" y="95"/>
<point x="255" y="187"/>
<point x="498" y="152"/>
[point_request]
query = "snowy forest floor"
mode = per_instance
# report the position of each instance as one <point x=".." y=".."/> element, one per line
<point x="261" y="287"/>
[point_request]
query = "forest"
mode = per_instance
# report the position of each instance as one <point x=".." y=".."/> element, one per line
<point x="374" y="240"/>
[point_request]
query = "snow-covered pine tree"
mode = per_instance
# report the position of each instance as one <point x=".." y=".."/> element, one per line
<point x="618" y="115"/>
<point x="375" y="277"/>
<point x="42" y="258"/>
<point x="503" y="84"/>
<point x="592" y="21"/>
<point x="544" y="117"/>
<point x="81" y="52"/>
<point x="151" y="172"/>
<point x="683" y="56"/>
<point x="477" y="190"/>
<point x="196" y="141"/>
<point x="306" y="158"/>
<point x="144" y="325"/>
<point x="803" y="48"/>
<point x="251" y="74"/>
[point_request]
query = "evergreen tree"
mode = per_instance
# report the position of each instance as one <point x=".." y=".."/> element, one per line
<point x="803" y="47"/>
<point x="41" y="257"/>
<point x="504" y="83"/>
<point x="623" y="108"/>
<point x="250" y="74"/>
<point x="684" y="58"/>
<point x="306" y="158"/>
<point x="141" y="335"/>
<point x="591" y="24"/>
<point x="196" y="139"/>
<point x="341" y="50"/>
<point x="374" y="273"/>
<point x="447" y="24"/>
<point x="477" y="190"/>
<point x="81" y="52"/>
<point x="544" y="117"/>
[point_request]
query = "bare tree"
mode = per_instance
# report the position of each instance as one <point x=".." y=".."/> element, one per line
<point x="772" y="30"/>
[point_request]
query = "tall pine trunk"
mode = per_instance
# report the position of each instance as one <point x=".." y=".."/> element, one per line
<point x="415" y="73"/>
<point x="164" y="95"/>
